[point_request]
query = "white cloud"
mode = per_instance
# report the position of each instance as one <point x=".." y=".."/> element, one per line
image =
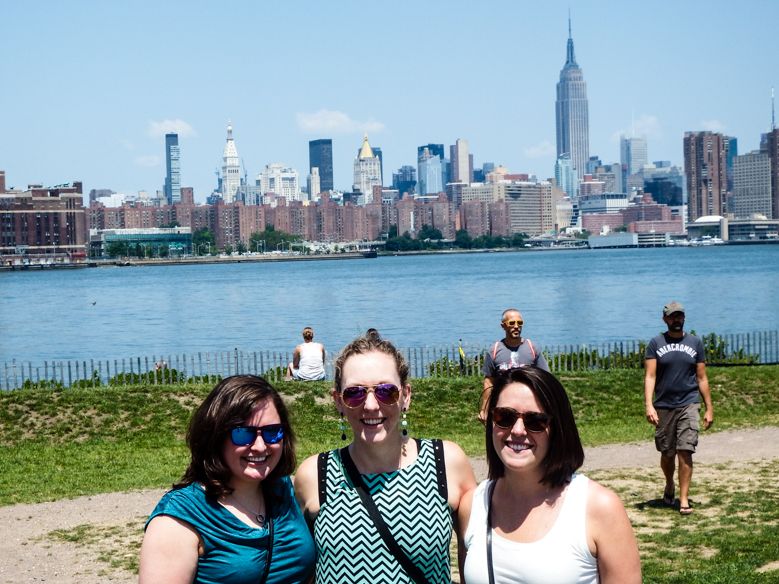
<point x="646" y="125"/>
<point x="180" y="127"/>
<point x="544" y="148"/>
<point x="335" y="122"/>
<point x="148" y="161"/>
<point x="713" y="126"/>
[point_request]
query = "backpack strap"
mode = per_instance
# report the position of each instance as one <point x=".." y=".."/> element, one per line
<point x="321" y="467"/>
<point x="532" y="351"/>
<point x="495" y="349"/>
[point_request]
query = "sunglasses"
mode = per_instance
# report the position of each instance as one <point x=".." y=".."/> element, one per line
<point x="245" y="435"/>
<point x="506" y="418"/>
<point x="513" y="322"/>
<point x="355" y="396"/>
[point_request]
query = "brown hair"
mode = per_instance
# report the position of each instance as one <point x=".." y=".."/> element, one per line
<point x="228" y="405"/>
<point x="308" y="333"/>
<point x="367" y="344"/>
<point x="565" y="453"/>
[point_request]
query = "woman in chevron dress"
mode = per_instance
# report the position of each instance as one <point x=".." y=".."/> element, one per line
<point x="415" y="485"/>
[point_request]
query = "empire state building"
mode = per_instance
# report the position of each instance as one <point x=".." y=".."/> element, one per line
<point x="573" y="127"/>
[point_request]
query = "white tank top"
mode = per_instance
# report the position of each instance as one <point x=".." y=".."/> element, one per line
<point x="311" y="366"/>
<point x="562" y="556"/>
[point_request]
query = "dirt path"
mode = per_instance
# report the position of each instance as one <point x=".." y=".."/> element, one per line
<point x="30" y="553"/>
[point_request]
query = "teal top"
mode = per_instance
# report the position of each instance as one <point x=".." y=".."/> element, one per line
<point x="235" y="553"/>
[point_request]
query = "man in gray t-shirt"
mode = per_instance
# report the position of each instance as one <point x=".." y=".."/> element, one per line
<point x="511" y="351"/>
<point x="676" y="377"/>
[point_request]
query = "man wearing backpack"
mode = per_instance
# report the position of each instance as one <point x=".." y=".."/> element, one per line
<point x="510" y="352"/>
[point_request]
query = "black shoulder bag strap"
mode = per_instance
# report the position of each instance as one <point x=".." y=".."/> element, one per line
<point x="411" y="569"/>
<point x="269" y="557"/>
<point x="490" y="572"/>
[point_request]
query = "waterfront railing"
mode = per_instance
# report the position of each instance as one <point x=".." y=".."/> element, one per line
<point x="449" y="361"/>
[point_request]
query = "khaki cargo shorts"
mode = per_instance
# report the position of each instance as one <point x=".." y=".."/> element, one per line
<point x="677" y="429"/>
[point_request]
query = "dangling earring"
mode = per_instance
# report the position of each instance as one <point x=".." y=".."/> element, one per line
<point x="404" y="423"/>
<point x="342" y="426"/>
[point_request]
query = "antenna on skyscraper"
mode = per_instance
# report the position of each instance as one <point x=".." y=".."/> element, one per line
<point x="569" y="23"/>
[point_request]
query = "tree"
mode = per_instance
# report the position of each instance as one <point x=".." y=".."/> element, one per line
<point x="428" y="232"/>
<point x="518" y="239"/>
<point x="241" y="247"/>
<point x="202" y="239"/>
<point x="462" y="239"/>
<point x="228" y="249"/>
<point x="117" y="249"/>
<point x="272" y="238"/>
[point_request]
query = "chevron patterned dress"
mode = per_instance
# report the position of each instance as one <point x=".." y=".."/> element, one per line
<point x="350" y="549"/>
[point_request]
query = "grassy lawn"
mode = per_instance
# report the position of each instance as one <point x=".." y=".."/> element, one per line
<point x="84" y="441"/>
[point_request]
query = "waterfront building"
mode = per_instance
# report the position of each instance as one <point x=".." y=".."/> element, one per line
<point x="530" y="207"/>
<point x="147" y="242"/>
<point x="705" y="169"/>
<point x="462" y="162"/>
<point x="564" y="174"/>
<point x="280" y="180"/>
<point x="603" y="203"/>
<point x="751" y="185"/>
<point x="320" y="155"/>
<point x="314" y="185"/>
<point x="43" y="221"/>
<point x="173" y="169"/>
<point x="430" y="173"/>
<point x="231" y="168"/>
<point x="367" y="171"/>
<point x="572" y="116"/>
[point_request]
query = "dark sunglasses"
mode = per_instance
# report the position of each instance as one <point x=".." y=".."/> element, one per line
<point x="245" y="435"/>
<point x="513" y="322"/>
<point x="506" y="418"/>
<point x="355" y="396"/>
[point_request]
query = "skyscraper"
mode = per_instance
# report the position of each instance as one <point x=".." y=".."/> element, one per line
<point x="231" y="168"/>
<point x="752" y="185"/>
<point x="367" y="171"/>
<point x="772" y="149"/>
<point x="461" y="161"/>
<point x="633" y="154"/>
<point x="173" y="168"/>
<point x="320" y="155"/>
<point x="430" y="173"/>
<point x="564" y="175"/>
<point x="573" y="126"/>
<point x="705" y="167"/>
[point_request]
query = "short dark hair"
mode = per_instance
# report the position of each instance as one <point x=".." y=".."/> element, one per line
<point x="308" y="333"/>
<point x="228" y="405"/>
<point x="367" y="344"/>
<point x="565" y="454"/>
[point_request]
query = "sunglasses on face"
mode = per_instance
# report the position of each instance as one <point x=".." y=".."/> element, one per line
<point x="513" y="323"/>
<point x="506" y="418"/>
<point x="245" y="435"/>
<point x="355" y="395"/>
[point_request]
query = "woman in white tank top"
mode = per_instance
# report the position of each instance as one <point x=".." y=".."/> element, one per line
<point x="534" y="520"/>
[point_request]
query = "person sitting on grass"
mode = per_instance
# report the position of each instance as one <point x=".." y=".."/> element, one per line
<point x="308" y="359"/>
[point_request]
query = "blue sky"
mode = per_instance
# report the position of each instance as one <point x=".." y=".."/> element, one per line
<point x="90" y="87"/>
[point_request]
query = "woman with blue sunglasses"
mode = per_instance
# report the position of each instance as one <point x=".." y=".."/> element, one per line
<point x="232" y="518"/>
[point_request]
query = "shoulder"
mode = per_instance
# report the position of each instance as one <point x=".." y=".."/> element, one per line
<point x="602" y="503"/>
<point x="459" y="473"/>
<point x="306" y="485"/>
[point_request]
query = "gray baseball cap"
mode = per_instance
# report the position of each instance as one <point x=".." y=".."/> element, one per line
<point x="671" y="307"/>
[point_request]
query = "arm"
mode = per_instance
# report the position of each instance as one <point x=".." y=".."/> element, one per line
<point x="169" y="552"/>
<point x="306" y="483"/>
<point x="703" y="387"/>
<point x="296" y="357"/>
<point x="460" y="482"/>
<point x="463" y="517"/>
<point x="650" y="377"/>
<point x="611" y="537"/>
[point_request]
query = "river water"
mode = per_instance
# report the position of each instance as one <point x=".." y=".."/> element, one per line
<point x="567" y="296"/>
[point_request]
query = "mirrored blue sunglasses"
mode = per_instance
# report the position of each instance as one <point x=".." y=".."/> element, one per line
<point x="245" y="435"/>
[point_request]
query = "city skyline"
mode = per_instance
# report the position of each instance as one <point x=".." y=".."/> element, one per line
<point x="94" y="102"/>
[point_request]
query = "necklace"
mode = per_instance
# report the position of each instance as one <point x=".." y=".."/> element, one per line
<point x="256" y="515"/>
